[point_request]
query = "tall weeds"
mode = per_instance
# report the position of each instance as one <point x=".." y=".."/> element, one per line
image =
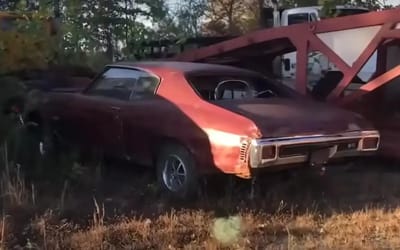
<point x="3" y="233"/>
<point x="12" y="183"/>
<point x="98" y="215"/>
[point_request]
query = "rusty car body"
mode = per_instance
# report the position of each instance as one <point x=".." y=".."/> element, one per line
<point x="190" y="119"/>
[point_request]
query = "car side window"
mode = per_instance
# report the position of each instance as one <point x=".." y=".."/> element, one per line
<point x="219" y="87"/>
<point x="145" y="86"/>
<point x="232" y="89"/>
<point x="124" y="84"/>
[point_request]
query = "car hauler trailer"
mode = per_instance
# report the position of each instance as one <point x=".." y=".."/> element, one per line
<point x="349" y="43"/>
<point x="285" y="64"/>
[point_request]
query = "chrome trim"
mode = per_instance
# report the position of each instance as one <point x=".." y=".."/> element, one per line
<point x="244" y="151"/>
<point x="257" y="145"/>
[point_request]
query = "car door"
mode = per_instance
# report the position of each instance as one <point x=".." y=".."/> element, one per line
<point x="142" y="117"/>
<point x="100" y="110"/>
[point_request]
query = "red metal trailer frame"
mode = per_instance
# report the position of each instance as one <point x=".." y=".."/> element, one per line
<point x="257" y="49"/>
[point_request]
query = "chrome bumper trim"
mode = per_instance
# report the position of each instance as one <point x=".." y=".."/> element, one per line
<point x="255" y="153"/>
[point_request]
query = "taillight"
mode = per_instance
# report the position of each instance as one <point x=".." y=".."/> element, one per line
<point x="268" y="152"/>
<point x="370" y="143"/>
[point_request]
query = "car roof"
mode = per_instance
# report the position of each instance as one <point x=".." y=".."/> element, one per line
<point x="188" y="67"/>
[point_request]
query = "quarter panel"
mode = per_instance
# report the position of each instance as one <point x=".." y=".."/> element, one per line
<point x="213" y="134"/>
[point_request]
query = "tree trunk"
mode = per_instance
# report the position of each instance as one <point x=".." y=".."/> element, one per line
<point x="110" y="48"/>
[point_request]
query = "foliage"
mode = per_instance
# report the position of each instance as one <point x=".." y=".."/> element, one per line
<point x="109" y="27"/>
<point x="225" y="17"/>
<point x="28" y="45"/>
<point x="328" y="5"/>
<point x="9" y="4"/>
<point x="230" y="17"/>
<point x="116" y="29"/>
<point x="10" y="87"/>
<point x="189" y="16"/>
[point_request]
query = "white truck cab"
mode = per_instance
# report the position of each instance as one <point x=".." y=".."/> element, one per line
<point x="299" y="15"/>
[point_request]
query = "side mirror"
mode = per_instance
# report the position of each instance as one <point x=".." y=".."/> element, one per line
<point x="286" y="64"/>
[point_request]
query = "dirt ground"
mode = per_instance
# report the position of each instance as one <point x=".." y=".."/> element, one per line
<point x="350" y="207"/>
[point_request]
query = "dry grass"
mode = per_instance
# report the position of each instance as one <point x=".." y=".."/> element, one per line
<point x="369" y="229"/>
<point x="13" y="187"/>
<point x="3" y="232"/>
<point x="299" y="213"/>
<point x="12" y="184"/>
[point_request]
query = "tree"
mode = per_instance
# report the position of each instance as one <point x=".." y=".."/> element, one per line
<point x="8" y="5"/>
<point x="224" y="17"/>
<point x="189" y="15"/>
<point x="26" y="43"/>
<point x="328" y="5"/>
<point x="231" y="17"/>
<point x="111" y="27"/>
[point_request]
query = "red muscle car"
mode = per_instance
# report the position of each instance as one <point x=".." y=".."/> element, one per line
<point x="190" y="119"/>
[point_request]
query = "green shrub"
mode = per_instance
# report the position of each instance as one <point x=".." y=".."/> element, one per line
<point x="9" y="87"/>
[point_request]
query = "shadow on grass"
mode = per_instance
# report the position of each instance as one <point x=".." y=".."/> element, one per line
<point x="133" y="190"/>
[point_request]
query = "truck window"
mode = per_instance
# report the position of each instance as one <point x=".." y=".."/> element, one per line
<point x="349" y="12"/>
<point x="298" y="18"/>
<point x="313" y="17"/>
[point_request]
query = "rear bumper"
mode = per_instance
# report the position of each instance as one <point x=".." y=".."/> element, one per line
<point x="298" y="149"/>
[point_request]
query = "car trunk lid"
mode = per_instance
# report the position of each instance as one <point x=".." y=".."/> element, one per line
<point x="277" y="117"/>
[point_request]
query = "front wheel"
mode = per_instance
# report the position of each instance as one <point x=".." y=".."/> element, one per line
<point x="176" y="172"/>
<point x="28" y="147"/>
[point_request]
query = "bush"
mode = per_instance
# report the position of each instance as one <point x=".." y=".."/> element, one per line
<point x="9" y="87"/>
<point x="27" y="44"/>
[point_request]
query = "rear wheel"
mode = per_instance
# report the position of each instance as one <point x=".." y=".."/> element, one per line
<point x="176" y="172"/>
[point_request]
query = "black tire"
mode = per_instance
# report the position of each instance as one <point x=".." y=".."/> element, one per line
<point x="176" y="153"/>
<point x="25" y="149"/>
<point x="47" y="143"/>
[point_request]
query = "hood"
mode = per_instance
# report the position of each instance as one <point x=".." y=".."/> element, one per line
<point x="277" y="117"/>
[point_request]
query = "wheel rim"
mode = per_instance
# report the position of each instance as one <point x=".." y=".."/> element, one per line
<point x="42" y="149"/>
<point x="42" y="140"/>
<point x="174" y="173"/>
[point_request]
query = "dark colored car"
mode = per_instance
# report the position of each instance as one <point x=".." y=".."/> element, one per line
<point x="190" y="119"/>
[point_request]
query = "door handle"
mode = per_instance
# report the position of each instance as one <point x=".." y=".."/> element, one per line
<point x="115" y="108"/>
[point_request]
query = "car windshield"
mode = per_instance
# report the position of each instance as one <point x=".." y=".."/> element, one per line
<point x="223" y="87"/>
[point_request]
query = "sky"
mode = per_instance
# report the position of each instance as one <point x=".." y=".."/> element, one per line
<point x="393" y="2"/>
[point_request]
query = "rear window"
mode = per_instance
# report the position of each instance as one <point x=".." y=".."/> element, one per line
<point x="340" y="12"/>
<point x="222" y="87"/>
